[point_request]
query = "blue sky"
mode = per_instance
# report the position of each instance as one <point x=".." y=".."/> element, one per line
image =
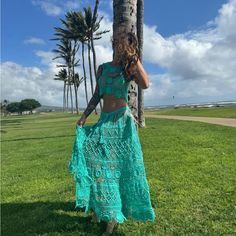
<point x="175" y="29"/>
<point x="22" y="20"/>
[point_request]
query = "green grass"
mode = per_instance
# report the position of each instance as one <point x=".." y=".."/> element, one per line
<point x="226" y="112"/>
<point x="190" y="168"/>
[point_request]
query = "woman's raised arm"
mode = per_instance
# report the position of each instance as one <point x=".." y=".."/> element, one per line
<point x="140" y="76"/>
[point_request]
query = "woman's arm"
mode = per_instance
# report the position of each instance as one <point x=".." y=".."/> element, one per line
<point x="140" y="76"/>
<point x="95" y="98"/>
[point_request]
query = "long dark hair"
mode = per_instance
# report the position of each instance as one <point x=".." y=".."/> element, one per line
<point x="128" y="52"/>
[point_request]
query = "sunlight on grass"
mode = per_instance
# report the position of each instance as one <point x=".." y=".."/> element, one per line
<point x="190" y="168"/>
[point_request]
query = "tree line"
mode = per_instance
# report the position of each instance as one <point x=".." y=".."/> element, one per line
<point x="19" y="107"/>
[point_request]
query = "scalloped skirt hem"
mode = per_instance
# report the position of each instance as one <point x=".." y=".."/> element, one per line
<point x="120" y="217"/>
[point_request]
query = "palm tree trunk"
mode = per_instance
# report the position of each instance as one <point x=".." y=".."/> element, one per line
<point x="70" y="82"/>
<point x="71" y="100"/>
<point x="94" y="61"/>
<point x="92" y="44"/>
<point x="64" y="96"/>
<point x="90" y="69"/>
<point x="124" y="18"/>
<point x="76" y="98"/>
<point x="140" y="15"/>
<point x="73" y="76"/>
<point x="93" y="53"/>
<point x="85" y="78"/>
<point x="67" y="96"/>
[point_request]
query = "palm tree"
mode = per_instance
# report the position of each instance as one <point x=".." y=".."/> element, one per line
<point x="3" y="107"/>
<point x="84" y="27"/>
<point x="64" y="51"/>
<point x="94" y="26"/>
<point x="140" y="15"/>
<point x="64" y="33"/>
<point x="73" y="29"/>
<point x="77" y="81"/>
<point x="125" y="20"/>
<point x="75" y="63"/>
<point x="76" y="29"/>
<point x="85" y="76"/>
<point x="81" y="28"/>
<point x="88" y="16"/>
<point x="62" y="76"/>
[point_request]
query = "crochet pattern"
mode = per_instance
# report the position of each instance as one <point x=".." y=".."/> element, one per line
<point x="108" y="169"/>
<point x="113" y="82"/>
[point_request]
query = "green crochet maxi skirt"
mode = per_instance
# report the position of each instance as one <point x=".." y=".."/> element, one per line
<point x="108" y="169"/>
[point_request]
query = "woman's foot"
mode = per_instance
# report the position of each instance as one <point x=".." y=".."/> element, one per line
<point x="110" y="227"/>
<point x="94" y="218"/>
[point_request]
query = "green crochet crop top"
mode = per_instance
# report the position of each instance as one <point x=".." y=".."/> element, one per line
<point x="112" y="81"/>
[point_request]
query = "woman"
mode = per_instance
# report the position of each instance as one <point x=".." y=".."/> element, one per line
<point x="107" y="159"/>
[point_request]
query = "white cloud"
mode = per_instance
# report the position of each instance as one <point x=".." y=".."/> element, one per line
<point x="48" y="7"/>
<point x="159" y="87"/>
<point x="46" y="58"/>
<point x="34" y="40"/>
<point x="56" y="7"/>
<point x="164" y="86"/>
<point x="20" y="82"/>
<point x="226" y="21"/>
<point x="72" y="5"/>
<point x="199" y="64"/>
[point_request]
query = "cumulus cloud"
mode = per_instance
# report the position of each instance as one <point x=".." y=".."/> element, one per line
<point x="34" y="40"/>
<point x="48" y="7"/>
<point x="164" y="86"/>
<point x="21" y="82"/>
<point x="56" y="7"/>
<point x="198" y="63"/>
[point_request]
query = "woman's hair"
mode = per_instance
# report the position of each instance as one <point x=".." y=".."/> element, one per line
<point x="128" y="52"/>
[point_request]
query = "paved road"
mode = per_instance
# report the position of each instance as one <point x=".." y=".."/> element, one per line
<point x="211" y="120"/>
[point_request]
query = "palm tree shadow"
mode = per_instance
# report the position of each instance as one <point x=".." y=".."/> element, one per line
<point x="39" y="218"/>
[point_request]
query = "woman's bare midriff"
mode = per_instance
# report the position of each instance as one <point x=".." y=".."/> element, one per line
<point x="111" y="103"/>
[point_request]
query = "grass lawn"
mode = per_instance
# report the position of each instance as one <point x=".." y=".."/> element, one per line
<point x="190" y="168"/>
<point x="226" y="112"/>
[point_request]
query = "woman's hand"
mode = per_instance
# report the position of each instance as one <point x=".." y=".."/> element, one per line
<point x="81" y="121"/>
<point x="132" y="69"/>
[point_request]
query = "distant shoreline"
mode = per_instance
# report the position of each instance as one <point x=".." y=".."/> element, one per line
<point x="191" y="105"/>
